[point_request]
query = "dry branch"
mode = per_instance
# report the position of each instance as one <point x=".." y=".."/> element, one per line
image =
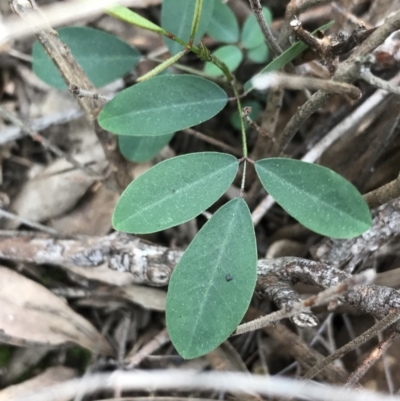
<point x="73" y="74"/>
<point x="152" y="265"/>
<point x="348" y="71"/>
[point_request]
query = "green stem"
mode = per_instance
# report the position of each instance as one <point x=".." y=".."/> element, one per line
<point x="196" y="19"/>
<point x="242" y="126"/>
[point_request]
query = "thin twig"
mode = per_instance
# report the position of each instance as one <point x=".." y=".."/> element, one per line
<point x="213" y="141"/>
<point x="387" y="321"/>
<point x="383" y="194"/>
<point x="157" y="342"/>
<point x="78" y="92"/>
<point x="258" y="13"/>
<point x="373" y="80"/>
<point x="322" y="298"/>
<point x="46" y="143"/>
<point x="246" y="115"/>
<point x="14" y="132"/>
<point x="278" y="80"/>
<point x="295" y="8"/>
<point x="377" y="147"/>
<point x="29" y="223"/>
<point x="348" y="71"/>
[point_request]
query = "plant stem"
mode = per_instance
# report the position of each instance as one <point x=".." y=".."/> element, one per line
<point x="196" y="19"/>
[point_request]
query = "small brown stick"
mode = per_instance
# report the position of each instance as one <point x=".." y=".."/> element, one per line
<point x="322" y="298"/>
<point x="14" y="132"/>
<point x="350" y="17"/>
<point x="271" y="42"/>
<point x="377" y="147"/>
<point x="373" y="80"/>
<point x="46" y="143"/>
<point x="157" y="342"/>
<point x="387" y="321"/>
<point x="371" y="359"/>
<point x="303" y="353"/>
<point x="29" y="223"/>
<point x="72" y="73"/>
<point x="78" y="92"/>
<point x="246" y="115"/>
<point x="295" y="7"/>
<point x="278" y="80"/>
<point x="383" y="194"/>
<point x="213" y="141"/>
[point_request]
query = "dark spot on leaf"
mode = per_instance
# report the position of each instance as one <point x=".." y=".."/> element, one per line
<point x="173" y="191"/>
<point x="228" y="277"/>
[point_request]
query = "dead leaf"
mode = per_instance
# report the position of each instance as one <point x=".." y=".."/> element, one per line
<point x="91" y="216"/>
<point x="49" y="377"/>
<point x="148" y="298"/>
<point x="56" y="189"/>
<point x="30" y="313"/>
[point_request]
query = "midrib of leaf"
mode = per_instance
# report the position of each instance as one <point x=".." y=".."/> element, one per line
<point x="162" y="108"/>
<point x="201" y="180"/>
<point x="211" y="281"/>
<point x="300" y="191"/>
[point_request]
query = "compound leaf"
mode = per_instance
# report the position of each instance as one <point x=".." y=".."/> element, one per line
<point x="316" y="196"/>
<point x="103" y="57"/>
<point x="231" y="55"/>
<point x="162" y="105"/>
<point x="212" y="285"/>
<point x="177" y="17"/>
<point x="251" y="34"/>
<point x="174" y="191"/>
<point x="223" y="25"/>
<point x="142" y="148"/>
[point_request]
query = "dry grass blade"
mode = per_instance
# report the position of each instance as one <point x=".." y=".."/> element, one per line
<point x="31" y="314"/>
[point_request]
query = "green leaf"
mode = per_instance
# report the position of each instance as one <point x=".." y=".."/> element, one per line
<point x="162" y="105"/>
<point x="127" y="15"/>
<point x="103" y="57"/>
<point x="223" y="25"/>
<point x="255" y="111"/>
<point x="259" y="54"/>
<point x="251" y="34"/>
<point x="212" y="285"/>
<point x="316" y="196"/>
<point x="231" y="55"/>
<point x="287" y="56"/>
<point x="142" y="148"/>
<point x="177" y="17"/>
<point x="174" y="191"/>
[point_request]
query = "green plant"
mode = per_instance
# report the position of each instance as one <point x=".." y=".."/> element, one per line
<point x="212" y="286"/>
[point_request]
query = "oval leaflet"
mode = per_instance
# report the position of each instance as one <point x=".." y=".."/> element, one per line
<point x="212" y="285"/>
<point x="174" y="191"/>
<point x="162" y="105"/>
<point x="316" y="196"/>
